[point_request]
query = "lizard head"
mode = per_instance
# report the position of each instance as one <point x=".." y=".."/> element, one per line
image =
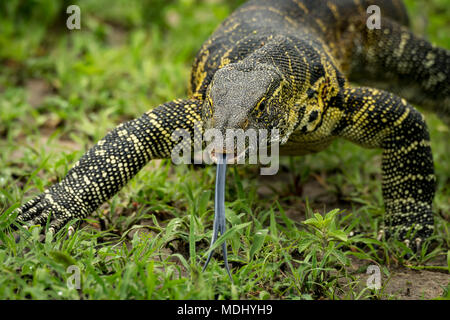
<point x="246" y="97"/>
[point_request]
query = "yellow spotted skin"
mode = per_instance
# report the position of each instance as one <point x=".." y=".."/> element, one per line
<point x="286" y="64"/>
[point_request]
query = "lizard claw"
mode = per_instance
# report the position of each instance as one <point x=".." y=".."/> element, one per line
<point x="55" y="206"/>
<point x="415" y="246"/>
<point x="418" y="242"/>
<point x="380" y="235"/>
<point x="70" y="231"/>
<point x="51" y="230"/>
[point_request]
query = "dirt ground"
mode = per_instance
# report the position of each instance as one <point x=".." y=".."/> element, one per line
<point x="403" y="283"/>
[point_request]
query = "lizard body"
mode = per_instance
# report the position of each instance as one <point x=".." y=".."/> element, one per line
<point x="286" y="64"/>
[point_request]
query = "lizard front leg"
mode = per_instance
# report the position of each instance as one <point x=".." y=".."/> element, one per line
<point x="111" y="163"/>
<point x="378" y="119"/>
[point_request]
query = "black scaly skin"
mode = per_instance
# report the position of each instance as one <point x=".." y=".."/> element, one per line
<point x="284" y="64"/>
<point x="421" y="76"/>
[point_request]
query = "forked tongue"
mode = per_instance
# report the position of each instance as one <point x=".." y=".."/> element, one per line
<point x="219" y="209"/>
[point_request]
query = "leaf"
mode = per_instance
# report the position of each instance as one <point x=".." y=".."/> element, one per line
<point x="189" y="195"/>
<point x="227" y="235"/>
<point x="367" y="241"/>
<point x="28" y="268"/>
<point x="192" y="239"/>
<point x="91" y="271"/>
<point x="289" y="224"/>
<point x="63" y="258"/>
<point x="340" y="257"/>
<point x="404" y="247"/>
<point x="264" y="295"/>
<point x="9" y="217"/>
<point x="339" y="235"/>
<point x="313" y="222"/>
<point x="151" y="279"/>
<point x="360" y="255"/>
<point x="258" y="241"/>
<point x="330" y="216"/>
<point x="202" y="202"/>
<point x="305" y="244"/>
<point x="318" y="216"/>
<point x="273" y="225"/>
<point x="182" y="260"/>
<point x="448" y="260"/>
<point x="239" y="186"/>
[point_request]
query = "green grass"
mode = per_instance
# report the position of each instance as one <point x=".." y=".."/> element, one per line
<point x="60" y="91"/>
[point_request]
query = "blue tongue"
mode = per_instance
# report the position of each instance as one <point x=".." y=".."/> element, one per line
<point x="219" y="210"/>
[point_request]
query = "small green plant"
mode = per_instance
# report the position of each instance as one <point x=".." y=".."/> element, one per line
<point x="324" y="261"/>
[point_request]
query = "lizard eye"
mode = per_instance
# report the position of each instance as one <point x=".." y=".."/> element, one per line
<point x="261" y="105"/>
